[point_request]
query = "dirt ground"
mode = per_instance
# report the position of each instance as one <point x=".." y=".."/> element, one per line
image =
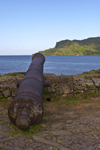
<point x="63" y="128"/>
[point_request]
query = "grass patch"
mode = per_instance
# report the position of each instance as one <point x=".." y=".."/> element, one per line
<point x="3" y="119"/>
<point x="4" y="76"/>
<point x="32" y="130"/>
<point x="57" y="97"/>
<point x="95" y="94"/>
<point x="76" y="101"/>
<point x="92" y="72"/>
<point x="3" y="100"/>
<point x="14" y="75"/>
<point x="70" y="101"/>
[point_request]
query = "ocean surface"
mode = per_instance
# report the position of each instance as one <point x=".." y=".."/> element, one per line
<point x="66" y="65"/>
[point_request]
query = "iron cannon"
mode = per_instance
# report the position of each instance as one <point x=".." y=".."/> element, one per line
<point x="27" y="106"/>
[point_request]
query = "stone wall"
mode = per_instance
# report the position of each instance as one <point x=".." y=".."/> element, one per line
<point x="9" y="85"/>
<point x="82" y="86"/>
<point x="63" y="86"/>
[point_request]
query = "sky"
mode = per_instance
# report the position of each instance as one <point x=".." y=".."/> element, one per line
<point x="29" y="26"/>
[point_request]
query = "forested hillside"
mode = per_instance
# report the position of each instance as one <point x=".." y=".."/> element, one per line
<point x="90" y="46"/>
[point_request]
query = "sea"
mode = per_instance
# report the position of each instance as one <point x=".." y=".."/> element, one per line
<point x="59" y="65"/>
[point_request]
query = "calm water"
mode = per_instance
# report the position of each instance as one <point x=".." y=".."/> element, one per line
<point x="67" y="65"/>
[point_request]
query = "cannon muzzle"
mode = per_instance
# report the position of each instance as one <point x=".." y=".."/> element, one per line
<point x="27" y="106"/>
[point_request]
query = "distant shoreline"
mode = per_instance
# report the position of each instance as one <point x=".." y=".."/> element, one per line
<point x="90" y="46"/>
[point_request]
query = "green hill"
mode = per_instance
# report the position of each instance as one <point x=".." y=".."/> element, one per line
<point x="90" y="46"/>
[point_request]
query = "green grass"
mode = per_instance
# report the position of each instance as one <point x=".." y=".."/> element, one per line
<point x="3" y="100"/>
<point x="10" y="75"/>
<point x="95" y="94"/>
<point x="92" y="72"/>
<point x="32" y="130"/>
<point x="70" y="101"/>
<point x="76" y="101"/>
<point x="3" y="119"/>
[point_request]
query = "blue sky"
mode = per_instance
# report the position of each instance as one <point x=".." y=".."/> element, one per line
<point x="29" y="26"/>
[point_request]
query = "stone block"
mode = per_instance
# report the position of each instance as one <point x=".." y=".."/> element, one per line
<point x="96" y="82"/>
<point x="6" y="93"/>
<point x="13" y="93"/>
<point x="9" y="99"/>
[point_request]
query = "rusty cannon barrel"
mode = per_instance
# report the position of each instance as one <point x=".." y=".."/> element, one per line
<point x="27" y="107"/>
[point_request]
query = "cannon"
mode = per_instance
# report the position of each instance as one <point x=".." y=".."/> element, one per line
<point x="27" y="106"/>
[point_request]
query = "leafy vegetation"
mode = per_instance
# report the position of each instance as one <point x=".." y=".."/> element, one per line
<point x="90" y="46"/>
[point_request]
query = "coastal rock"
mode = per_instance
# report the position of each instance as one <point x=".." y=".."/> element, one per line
<point x="6" y="93"/>
<point x="14" y="92"/>
<point x="96" y="82"/>
<point x="82" y="84"/>
<point x="60" y="84"/>
<point x="8" y="82"/>
<point x="10" y="98"/>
